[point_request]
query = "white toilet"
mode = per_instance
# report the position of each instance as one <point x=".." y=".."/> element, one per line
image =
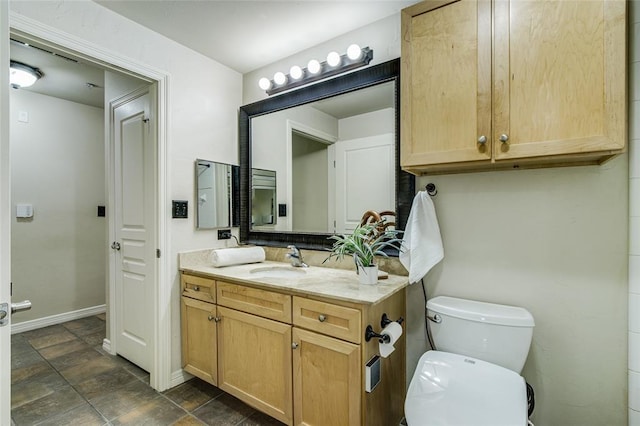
<point x="473" y="378"/>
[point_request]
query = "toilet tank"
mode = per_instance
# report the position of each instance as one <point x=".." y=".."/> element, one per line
<point x="499" y="334"/>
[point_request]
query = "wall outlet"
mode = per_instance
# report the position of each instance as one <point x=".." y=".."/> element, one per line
<point x="224" y="234"/>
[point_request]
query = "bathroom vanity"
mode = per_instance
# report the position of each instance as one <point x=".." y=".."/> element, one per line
<point x="291" y="341"/>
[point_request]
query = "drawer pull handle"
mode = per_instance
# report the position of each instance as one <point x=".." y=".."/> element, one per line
<point x="294" y="345"/>
<point x="196" y="288"/>
<point x="322" y="318"/>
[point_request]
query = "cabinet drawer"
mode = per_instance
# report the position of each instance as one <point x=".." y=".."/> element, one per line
<point x="198" y="288"/>
<point x="326" y="318"/>
<point x="263" y="303"/>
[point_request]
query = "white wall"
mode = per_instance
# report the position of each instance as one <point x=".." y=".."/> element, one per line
<point x="57" y="163"/>
<point x="551" y="240"/>
<point x="202" y="112"/>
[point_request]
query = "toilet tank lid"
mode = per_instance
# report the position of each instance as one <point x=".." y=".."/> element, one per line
<point x="473" y="310"/>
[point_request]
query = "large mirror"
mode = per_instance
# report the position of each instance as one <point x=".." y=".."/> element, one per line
<point x="216" y="184"/>
<point x="334" y="147"/>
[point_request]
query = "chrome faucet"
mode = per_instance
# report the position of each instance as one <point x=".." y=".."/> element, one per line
<point x="296" y="257"/>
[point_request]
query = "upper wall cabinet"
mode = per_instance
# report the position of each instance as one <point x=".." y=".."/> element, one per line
<point x="507" y="84"/>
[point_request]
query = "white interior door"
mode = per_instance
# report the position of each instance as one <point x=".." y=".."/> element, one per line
<point x="5" y="221"/>
<point x="134" y="246"/>
<point x="365" y="178"/>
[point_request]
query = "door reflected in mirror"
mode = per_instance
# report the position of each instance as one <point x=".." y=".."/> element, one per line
<point x="216" y="184"/>
<point x="334" y="158"/>
<point x="263" y="199"/>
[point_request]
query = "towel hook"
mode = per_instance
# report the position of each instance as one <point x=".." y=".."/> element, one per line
<point x="431" y="189"/>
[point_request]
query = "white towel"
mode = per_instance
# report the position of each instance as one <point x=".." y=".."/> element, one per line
<point x="236" y="256"/>
<point x="422" y="243"/>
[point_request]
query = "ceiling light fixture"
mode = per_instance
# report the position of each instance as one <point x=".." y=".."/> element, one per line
<point x="23" y="75"/>
<point x="335" y="64"/>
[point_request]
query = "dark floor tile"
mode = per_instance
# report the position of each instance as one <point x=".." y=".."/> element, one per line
<point x="44" y="331"/>
<point x="61" y="349"/>
<point x="260" y="419"/>
<point x="188" y="420"/>
<point x="81" y="372"/>
<point x="19" y="344"/>
<point x="135" y="370"/>
<point x="25" y="373"/>
<point x="85" y="326"/>
<point x="223" y="411"/>
<point x="94" y="339"/>
<point x="158" y="411"/>
<point x="102" y="316"/>
<point x="126" y="399"/>
<point x="36" y="387"/>
<point x="51" y="339"/>
<point x="25" y="359"/>
<point x="83" y="415"/>
<point x="44" y="408"/>
<point x="75" y="358"/>
<point x="192" y="394"/>
<point x="105" y="383"/>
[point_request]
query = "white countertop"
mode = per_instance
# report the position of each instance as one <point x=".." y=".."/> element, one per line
<point x="333" y="283"/>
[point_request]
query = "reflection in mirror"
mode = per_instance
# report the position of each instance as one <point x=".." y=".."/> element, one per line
<point x="335" y="159"/>
<point x="314" y="198"/>
<point x="215" y="186"/>
<point x="263" y="198"/>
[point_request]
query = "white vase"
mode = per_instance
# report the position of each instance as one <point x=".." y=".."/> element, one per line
<point x="368" y="275"/>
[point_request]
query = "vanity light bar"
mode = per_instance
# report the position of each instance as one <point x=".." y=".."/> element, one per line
<point x="335" y="64"/>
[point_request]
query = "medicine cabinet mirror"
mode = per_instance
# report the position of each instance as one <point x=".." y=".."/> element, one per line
<point x="217" y="201"/>
<point x="334" y="147"/>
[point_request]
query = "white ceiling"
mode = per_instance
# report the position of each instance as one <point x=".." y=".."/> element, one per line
<point x="247" y="35"/>
<point x="243" y="35"/>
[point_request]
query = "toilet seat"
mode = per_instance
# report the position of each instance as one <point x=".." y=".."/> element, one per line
<point x="455" y="390"/>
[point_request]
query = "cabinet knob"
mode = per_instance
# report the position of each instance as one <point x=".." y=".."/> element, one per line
<point x="504" y="138"/>
<point x="210" y="318"/>
<point x="322" y="318"/>
<point x="196" y="288"/>
<point x="217" y="319"/>
<point x="482" y="139"/>
<point x="294" y="345"/>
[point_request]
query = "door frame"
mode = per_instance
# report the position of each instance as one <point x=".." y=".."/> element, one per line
<point x="160" y="374"/>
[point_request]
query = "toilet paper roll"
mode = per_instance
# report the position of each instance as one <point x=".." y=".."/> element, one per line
<point x="394" y="331"/>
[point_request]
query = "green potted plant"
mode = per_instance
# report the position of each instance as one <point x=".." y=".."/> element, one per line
<point x="365" y="243"/>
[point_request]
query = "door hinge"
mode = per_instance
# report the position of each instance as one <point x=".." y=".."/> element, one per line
<point x="158" y="253"/>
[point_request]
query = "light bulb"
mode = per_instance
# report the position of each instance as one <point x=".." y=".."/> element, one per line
<point x="264" y="83"/>
<point x="279" y="78"/>
<point x="295" y="72"/>
<point x="333" y="59"/>
<point x="313" y="66"/>
<point x="354" y="52"/>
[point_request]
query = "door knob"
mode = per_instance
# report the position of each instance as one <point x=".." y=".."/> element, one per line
<point x="115" y="245"/>
<point x="25" y="305"/>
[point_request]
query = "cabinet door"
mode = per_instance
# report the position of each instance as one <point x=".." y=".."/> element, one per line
<point x="254" y="362"/>
<point x="326" y="380"/>
<point x="559" y="70"/>
<point x="199" y="354"/>
<point x="446" y="83"/>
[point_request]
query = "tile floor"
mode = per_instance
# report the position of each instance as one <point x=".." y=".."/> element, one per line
<point x="60" y="375"/>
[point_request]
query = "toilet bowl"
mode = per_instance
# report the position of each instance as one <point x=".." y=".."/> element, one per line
<point x="473" y="379"/>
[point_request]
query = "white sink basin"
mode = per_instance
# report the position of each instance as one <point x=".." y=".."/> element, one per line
<point x="278" y="272"/>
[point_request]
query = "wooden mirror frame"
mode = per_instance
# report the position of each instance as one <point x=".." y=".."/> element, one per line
<point x="371" y="76"/>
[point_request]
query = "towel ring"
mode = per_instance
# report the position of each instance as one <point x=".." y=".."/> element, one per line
<point x="431" y="189"/>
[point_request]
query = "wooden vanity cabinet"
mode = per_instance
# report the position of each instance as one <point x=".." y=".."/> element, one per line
<point x="501" y="84"/>
<point x="199" y="339"/>
<point x="298" y="359"/>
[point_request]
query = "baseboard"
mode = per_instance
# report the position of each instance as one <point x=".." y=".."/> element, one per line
<point x="178" y="377"/>
<point x="57" y="319"/>
<point x="106" y="346"/>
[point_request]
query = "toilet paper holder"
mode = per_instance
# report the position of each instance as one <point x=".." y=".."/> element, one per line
<point x="382" y="338"/>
